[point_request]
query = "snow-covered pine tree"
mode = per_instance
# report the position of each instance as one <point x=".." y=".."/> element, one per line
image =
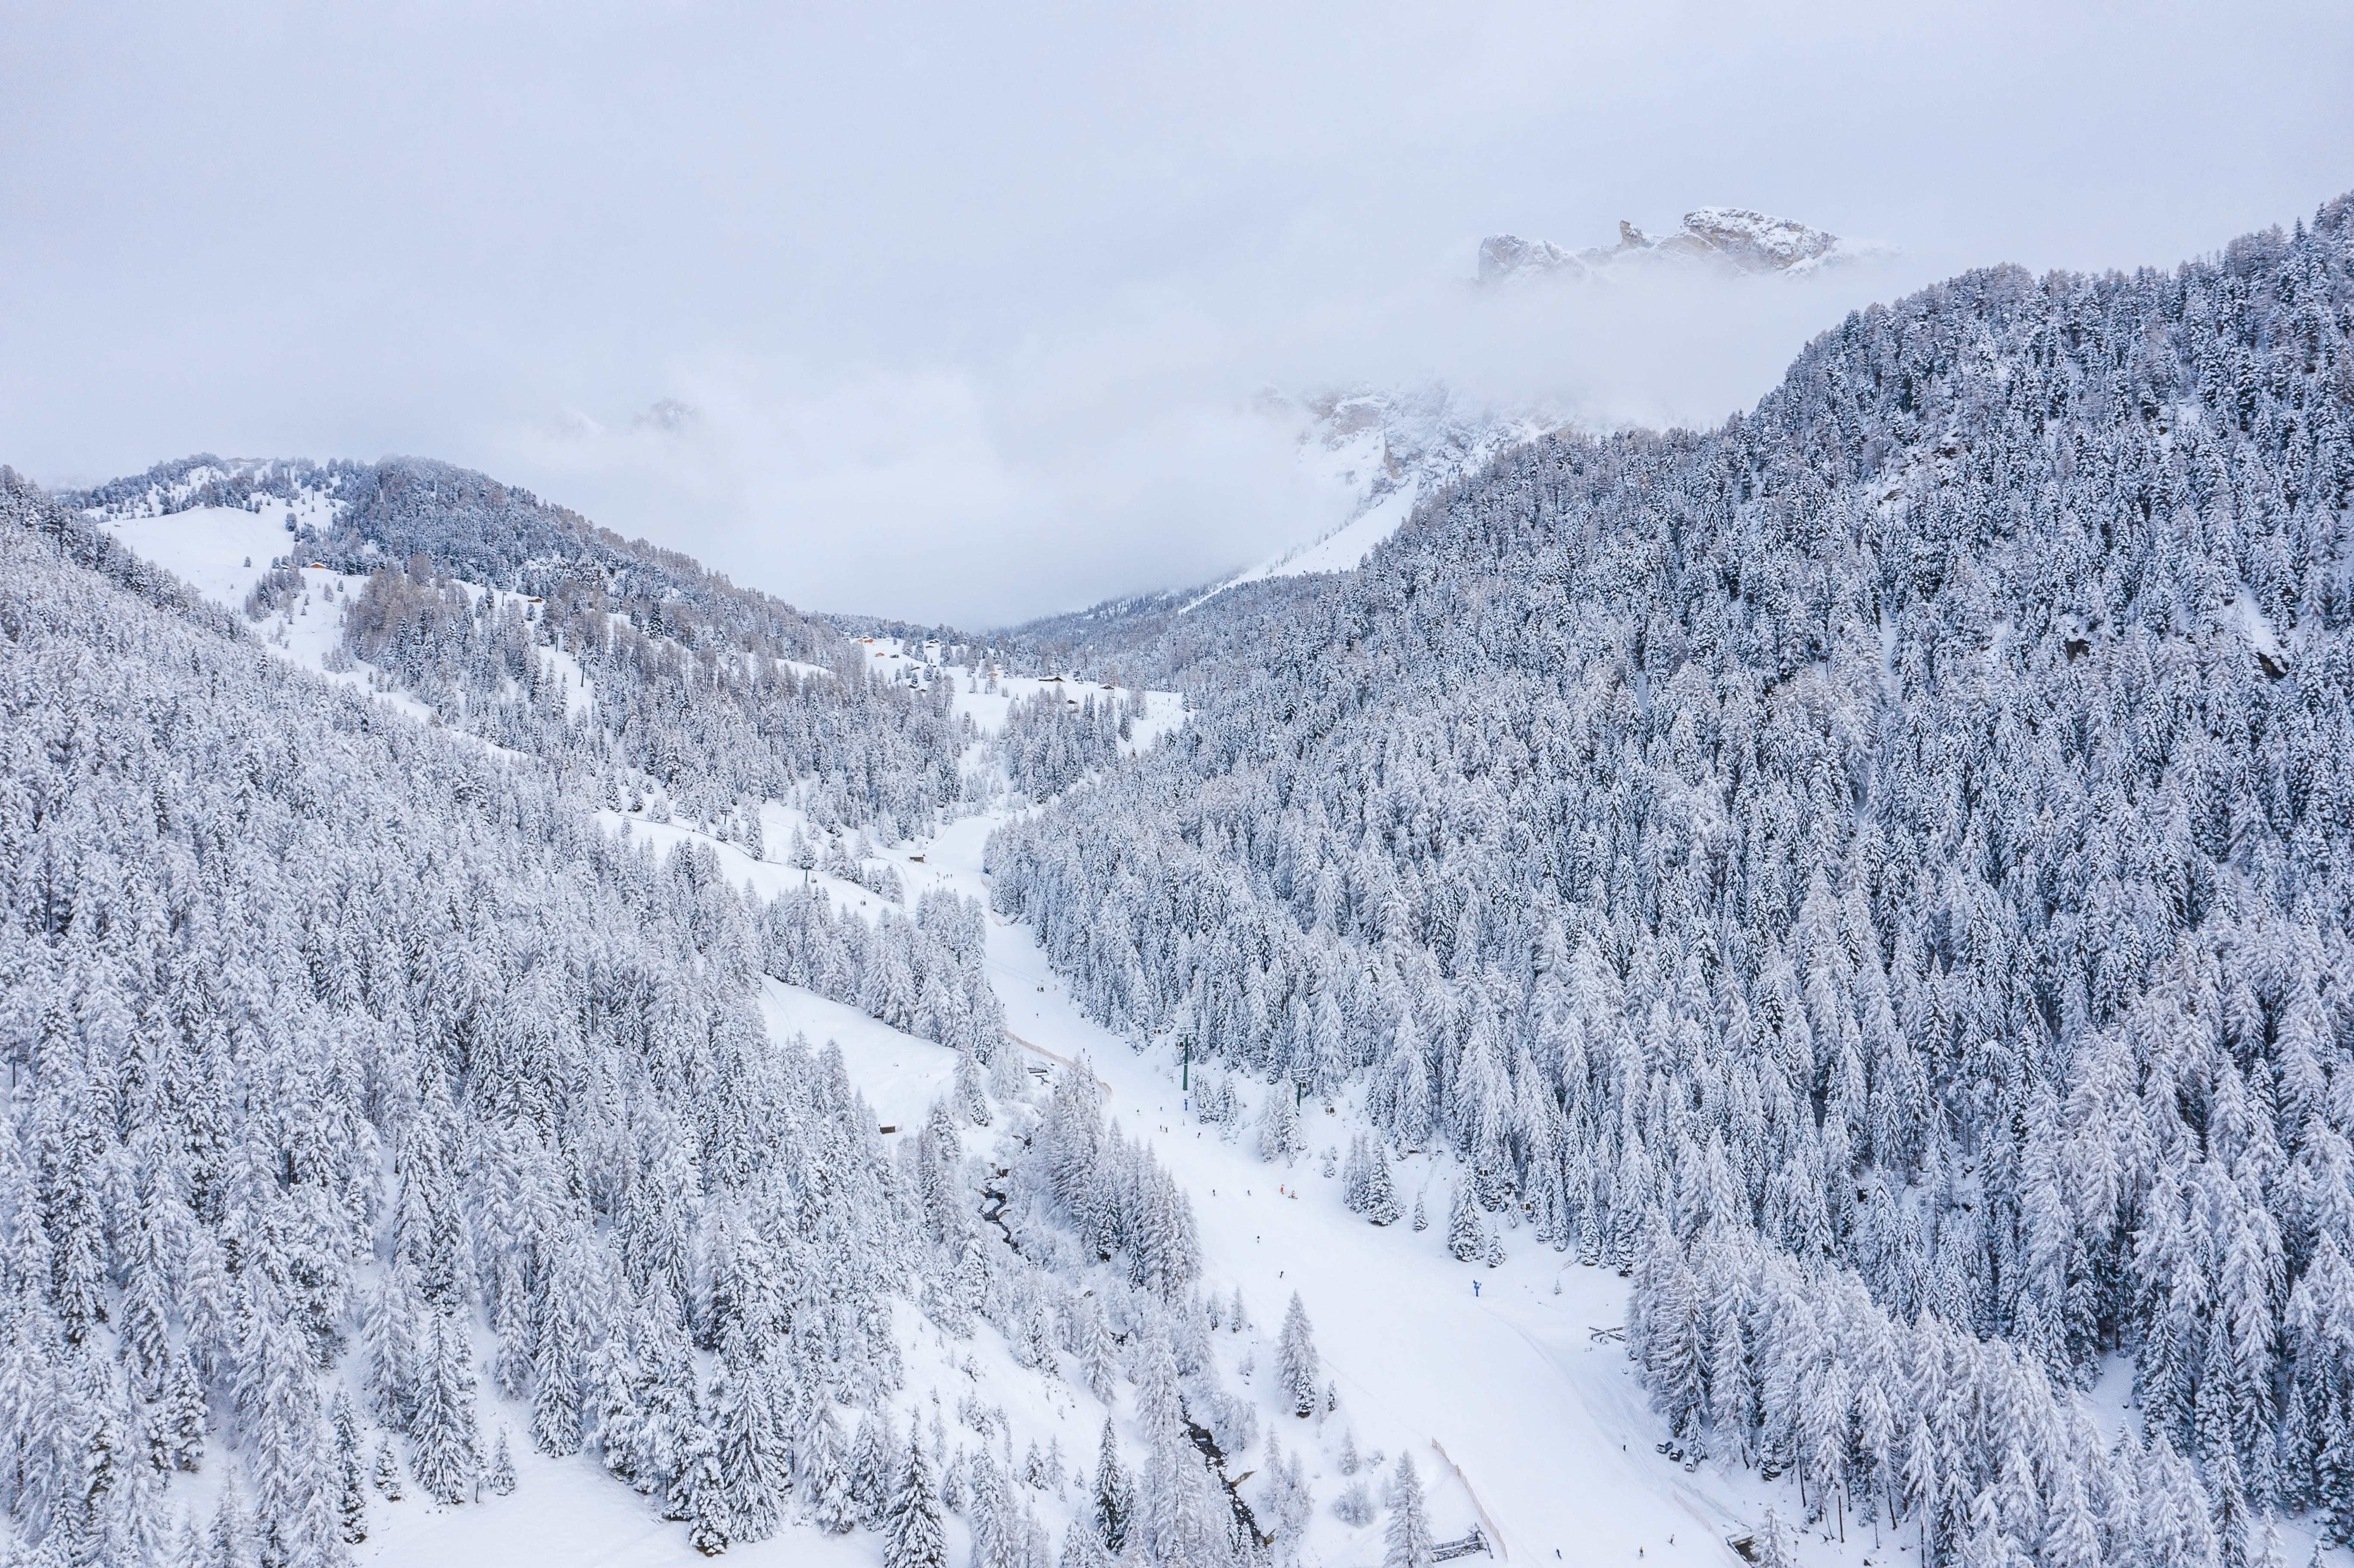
<point x="385" y="1474"/>
<point x="501" y="1476"/>
<point x="1467" y="1233"/>
<point x="556" y="1391"/>
<point x="1280" y="1138"/>
<point x="870" y="1480"/>
<point x="447" y="1448"/>
<point x="1407" y="1540"/>
<point x="1296" y="1368"/>
<point x="952" y="1488"/>
<point x="1179" y="1520"/>
<point x="990" y="1510"/>
<point x="229" y="1541"/>
<point x="825" y="1471"/>
<point x="698" y="1491"/>
<point x="972" y="1089"/>
<point x="1093" y="1348"/>
<point x="388" y="1334"/>
<point x="1158" y="1404"/>
<point x="1379" y="1200"/>
<point x="351" y="1473"/>
<point x="754" y="1449"/>
<point x="1115" y="1495"/>
<point x="1082" y="1547"/>
<point x="1289" y="1504"/>
<point x="912" y="1532"/>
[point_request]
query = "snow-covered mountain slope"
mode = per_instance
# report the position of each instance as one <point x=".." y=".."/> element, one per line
<point x="1385" y="452"/>
<point x="485" y="604"/>
<point x="1731" y="239"/>
<point x="230" y="555"/>
<point x="222" y="552"/>
<point x="1387" y="449"/>
<point x="1769" y="854"/>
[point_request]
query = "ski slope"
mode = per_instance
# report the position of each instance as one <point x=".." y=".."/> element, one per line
<point x="898" y="1075"/>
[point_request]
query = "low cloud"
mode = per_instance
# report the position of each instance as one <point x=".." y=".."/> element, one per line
<point x="959" y="314"/>
<point x="665" y="415"/>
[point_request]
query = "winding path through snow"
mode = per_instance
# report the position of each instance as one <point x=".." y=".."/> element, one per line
<point x="1549" y="1425"/>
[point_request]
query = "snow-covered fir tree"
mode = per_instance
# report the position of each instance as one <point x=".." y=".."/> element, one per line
<point x="1296" y="1367"/>
<point x="912" y="1532"/>
<point x="1407" y="1541"/>
<point x="1280" y="1136"/>
<point x="824" y="1471"/>
<point x="1115" y="1495"/>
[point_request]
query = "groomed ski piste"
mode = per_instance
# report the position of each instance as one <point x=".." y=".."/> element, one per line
<point x="1509" y="1384"/>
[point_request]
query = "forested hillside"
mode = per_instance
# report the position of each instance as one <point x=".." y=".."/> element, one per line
<point x="361" y="1083"/>
<point x="1878" y="870"/>
<point x="715" y="695"/>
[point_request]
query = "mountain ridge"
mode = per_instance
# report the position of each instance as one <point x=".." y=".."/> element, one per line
<point x="1730" y="238"/>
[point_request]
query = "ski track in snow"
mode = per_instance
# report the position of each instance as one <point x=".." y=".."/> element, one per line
<point x="1547" y="1423"/>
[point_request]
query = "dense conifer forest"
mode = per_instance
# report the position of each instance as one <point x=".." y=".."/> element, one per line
<point x="1877" y="871"/>
<point x="354" y="1066"/>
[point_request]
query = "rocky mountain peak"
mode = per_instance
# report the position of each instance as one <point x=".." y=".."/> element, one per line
<point x="1734" y="238"/>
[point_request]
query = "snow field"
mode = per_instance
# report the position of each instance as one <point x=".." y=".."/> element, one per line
<point x="897" y="1075"/>
<point x="219" y="551"/>
<point x="223" y="552"/>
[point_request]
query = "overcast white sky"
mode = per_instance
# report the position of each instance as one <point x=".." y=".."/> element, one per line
<point x="971" y="301"/>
